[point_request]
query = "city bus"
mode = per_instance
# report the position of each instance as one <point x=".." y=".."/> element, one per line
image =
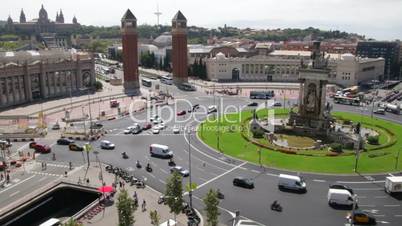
<point x="262" y="94"/>
<point x="146" y="82"/>
<point x="166" y="80"/>
<point x="347" y="100"/>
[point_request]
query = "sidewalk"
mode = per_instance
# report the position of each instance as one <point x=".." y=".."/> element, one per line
<point x="109" y="217"/>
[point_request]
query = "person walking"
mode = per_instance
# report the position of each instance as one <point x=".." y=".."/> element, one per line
<point x="143" y="206"/>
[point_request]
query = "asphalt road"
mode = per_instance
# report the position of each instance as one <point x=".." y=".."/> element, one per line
<point x="213" y="170"/>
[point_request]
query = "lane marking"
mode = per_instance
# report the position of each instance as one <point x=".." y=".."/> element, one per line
<point x="320" y="181"/>
<point x="163" y="182"/>
<point x="380" y="197"/>
<point x="398" y="215"/>
<point x="208" y="164"/>
<point x="392" y="205"/>
<point x="8" y="188"/>
<point x="361" y="182"/>
<point x="255" y="171"/>
<point x="380" y="215"/>
<point x="164" y="171"/>
<point x="221" y="175"/>
<point x="42" y="179"/>
<point x="361" y="197"/>
<point x="11" y="195"/>
<point x="153" y="176"/>
<point x="366" y="205"/>
<point x="368" y="189"/>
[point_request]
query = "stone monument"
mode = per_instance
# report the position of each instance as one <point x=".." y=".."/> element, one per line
<point x="314" y="113"/>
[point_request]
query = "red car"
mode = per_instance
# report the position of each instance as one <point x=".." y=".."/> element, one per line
<point x="147" y="126"/>
<point x="42" y="148"/>
<point x="180" y="113"/>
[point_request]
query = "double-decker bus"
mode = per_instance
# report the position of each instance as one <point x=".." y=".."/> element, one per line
<point x="146" y="82"/>
<point x="166" y="80"/>
<point x="347" y="100"/>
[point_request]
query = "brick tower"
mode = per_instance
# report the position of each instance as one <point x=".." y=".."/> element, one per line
<point x="179" y="48"/>
<point x="130" y="53"/>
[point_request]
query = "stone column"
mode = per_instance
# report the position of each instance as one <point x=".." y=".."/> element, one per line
<point x="42" y="84"/>
<point x="27" y="83"/>
<point x="301" y="92"/>
<point x="8" y="98"/>
<point x="22" y="87"/>
<point x="1" y="92"/>
<point x="14" y="80"/>
<point x="79" y="74"/>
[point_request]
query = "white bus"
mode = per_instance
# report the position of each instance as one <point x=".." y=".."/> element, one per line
<point x="166" y="80"/>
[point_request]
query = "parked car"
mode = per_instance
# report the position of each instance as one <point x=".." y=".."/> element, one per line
<point x="180" y="113"/>
<point x="362" y="217"/>
<point x="75" y="147"/>
<point x="128" y="130"/>
<point x="277" y="104"/>
<point x="42" y="148"/>
<point x="64" y="141"/>
<point x="105" y="144"/>
<point x="183" y="172"/>
<point x="243" y="182"/>
<point x="341" y="186"/>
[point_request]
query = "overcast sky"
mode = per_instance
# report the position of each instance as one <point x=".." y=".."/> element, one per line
<point x="380" y="19"/>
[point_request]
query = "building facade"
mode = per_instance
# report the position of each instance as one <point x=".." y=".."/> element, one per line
<point x="42" y="24"/>
<point x="283" y="66"/>
<point x="388" y="50"/>
<point x="28" y="76"/>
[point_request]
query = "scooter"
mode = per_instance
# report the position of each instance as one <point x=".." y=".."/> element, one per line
<point x="138" y="165"/>
<point x="140" y="184"/>
<point x="220" y="195"/>
<point x="124" y="155"/>
<point x="276" y="206"/>
<point x="171" y="163"/>
<point x="161" y="199"/>
<point x="148" y="168"/>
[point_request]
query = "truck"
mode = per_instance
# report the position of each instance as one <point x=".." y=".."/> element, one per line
<point x="393" y="185"/>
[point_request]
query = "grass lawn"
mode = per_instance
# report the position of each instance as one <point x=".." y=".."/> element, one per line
<point x="378" y="158"/>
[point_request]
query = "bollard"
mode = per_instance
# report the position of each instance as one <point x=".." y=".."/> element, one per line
<point x="54" y="157"/>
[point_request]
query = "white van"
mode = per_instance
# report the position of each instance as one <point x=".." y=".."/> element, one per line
<point x="291" y="182"/>
<point x="160" y="150"/>
<point x="393" y="184"/>
<point x="339" y="197"/>
<point x="51" y="222"/>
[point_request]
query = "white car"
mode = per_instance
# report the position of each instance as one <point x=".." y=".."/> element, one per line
<point x="176" y="130"/>
<point x="128" y="130"/>
<point x="155" y="130"/>
<point x="105" y="144"/>
<point x="162" y="125"/>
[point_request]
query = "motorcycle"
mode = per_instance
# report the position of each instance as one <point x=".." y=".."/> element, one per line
<point x="276" y="206"/>
<point x="138" y="165"/>
<point x="220" y="195"/>
<point x="124" y="155"/>
<point x="171" y="163"/>
<point x="161" y="199"/>
<point x="140" y="184"/>
<point x="148" y="168"/>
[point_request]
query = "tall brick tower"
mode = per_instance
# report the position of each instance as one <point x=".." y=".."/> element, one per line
<point x="130" y="53"/>
<point x="179" y="48"/>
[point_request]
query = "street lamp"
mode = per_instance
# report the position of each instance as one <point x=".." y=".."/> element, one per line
<point x="190" y="192"/>
<point x="397" y="159"/>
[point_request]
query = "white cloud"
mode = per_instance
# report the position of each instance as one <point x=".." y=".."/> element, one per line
<point x="376" y="18"/>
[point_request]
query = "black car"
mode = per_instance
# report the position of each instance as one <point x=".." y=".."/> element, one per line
<point x="243" y="182"/>
<point x="64" y="141"/>
<point x="277" y="104"/>
<point x="253" y="104"/>
<point x="341" y="186"/>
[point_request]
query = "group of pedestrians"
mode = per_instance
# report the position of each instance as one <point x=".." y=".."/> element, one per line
<point x="143" y="205"/>
<point x="7" y="177"/>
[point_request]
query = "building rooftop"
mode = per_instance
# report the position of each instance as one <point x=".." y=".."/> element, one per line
<point x="290" y="53"/>
<point x="32" y="57"/>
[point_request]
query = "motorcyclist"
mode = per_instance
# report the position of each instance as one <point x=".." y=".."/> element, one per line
<point x="148" y="166"/>
<point x="124" y="154"/>
<point x="138" y="164"/>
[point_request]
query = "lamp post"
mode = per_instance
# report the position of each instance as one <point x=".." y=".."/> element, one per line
<point x="190" y="192"/>
<point x="397" y="159"/>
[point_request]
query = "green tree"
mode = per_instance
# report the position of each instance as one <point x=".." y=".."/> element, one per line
<point x="155" y="217"/>
<point x="98" y="46"/>
<point x="211" y="202"/>
<point x="166" y="63"/>
<point x="72" y="222"/>
<point x="98" y="85"/>
<point x="174" y="193"/>
<point x="125" y="209"/>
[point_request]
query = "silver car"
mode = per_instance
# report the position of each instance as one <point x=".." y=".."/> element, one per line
<point x="180" y="170"/>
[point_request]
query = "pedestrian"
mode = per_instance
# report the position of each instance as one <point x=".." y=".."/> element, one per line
<point x="1" y="177"/>
<point x="143" y="206"/>
<point x="65" y="173"/>
<point x="8" y="178"/>
<point x="87" y="180"/>
<point x="119" y="184"/>
<point x="123" y="183"/>
<point x="70" y="165"/>
<point x="135" y="195"/>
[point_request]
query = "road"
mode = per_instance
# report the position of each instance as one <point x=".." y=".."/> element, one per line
<point x="213" y="170"/>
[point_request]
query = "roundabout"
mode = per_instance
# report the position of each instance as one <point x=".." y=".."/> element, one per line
<point x="231" y="136"/>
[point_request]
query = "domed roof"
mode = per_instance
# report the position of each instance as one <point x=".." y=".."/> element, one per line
<point x="164" y="39"/>
<point x="220" y="56"/>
